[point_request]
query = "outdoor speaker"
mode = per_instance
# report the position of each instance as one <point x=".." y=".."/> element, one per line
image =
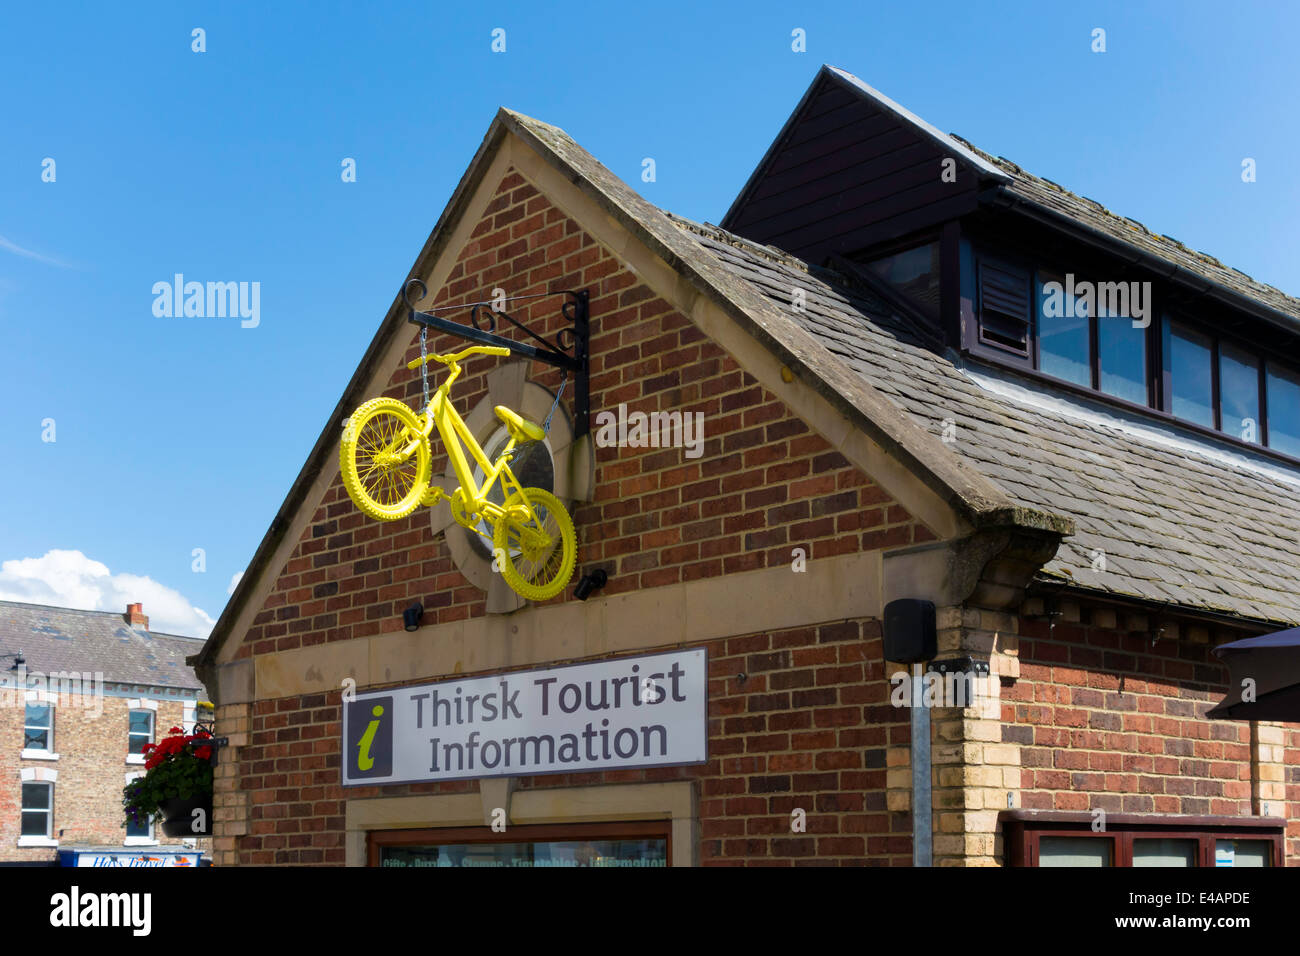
<point x="908" y="631"/>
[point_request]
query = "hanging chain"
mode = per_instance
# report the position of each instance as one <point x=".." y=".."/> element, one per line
<point x="424" y="364"/>
<point x="546" y="425"/>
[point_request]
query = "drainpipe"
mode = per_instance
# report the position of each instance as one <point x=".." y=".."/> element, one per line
<point x="922" y="815"/>
<point x="908" y="636"/>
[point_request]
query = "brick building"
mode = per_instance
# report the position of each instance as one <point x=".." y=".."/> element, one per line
<point x="81" y="693"/>
<point x="894" y="409"/>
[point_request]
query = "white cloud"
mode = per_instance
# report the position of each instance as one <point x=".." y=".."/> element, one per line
<point x="18" y="250"/>
<point x="234" y="582"/>
<point x="70" y="579"/>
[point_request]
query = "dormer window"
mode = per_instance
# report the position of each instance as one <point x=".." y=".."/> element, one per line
<point x="1107" y="337"/>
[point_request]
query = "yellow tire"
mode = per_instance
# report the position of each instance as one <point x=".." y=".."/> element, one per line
<point x="535" y="559"/>
<point x="383" y="475"/>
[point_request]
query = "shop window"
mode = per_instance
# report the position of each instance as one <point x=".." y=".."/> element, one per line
<point x="597" y="844"/>
<point x="1049" y="838"/>
<point x="1164" y="852"/>
<point x="1075" y="851"/>
<point x="1189" y="374"/>
<point x="38" y="730"/>
<point x="1248" y="853"/>
<point x="140" y="732"/>
<point x="38" y="810"/>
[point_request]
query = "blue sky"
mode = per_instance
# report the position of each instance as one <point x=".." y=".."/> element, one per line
<point x="173" y="434"/>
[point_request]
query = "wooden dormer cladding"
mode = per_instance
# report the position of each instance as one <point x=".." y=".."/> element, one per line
<point x="849" y="170"/>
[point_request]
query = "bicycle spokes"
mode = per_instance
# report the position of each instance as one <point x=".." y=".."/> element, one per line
<point x="533" y="538"/>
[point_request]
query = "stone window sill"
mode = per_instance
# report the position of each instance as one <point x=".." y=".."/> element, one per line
<point x="36" y="841"/>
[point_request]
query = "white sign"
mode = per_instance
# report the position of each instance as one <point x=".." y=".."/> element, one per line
<point x="137" y="859"/>
<point x="630" y="712"/>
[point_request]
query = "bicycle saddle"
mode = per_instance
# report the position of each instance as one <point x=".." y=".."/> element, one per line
<point x="520" y="428"/>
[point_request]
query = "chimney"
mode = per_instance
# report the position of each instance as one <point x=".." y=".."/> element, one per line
<point x="136" y="617"/>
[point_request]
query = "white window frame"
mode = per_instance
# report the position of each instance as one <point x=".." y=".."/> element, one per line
<point x="152" y="838"/>
<point x="134" y="706"/>
<point x="30" y="775"/>
<point x="37" y="753"/>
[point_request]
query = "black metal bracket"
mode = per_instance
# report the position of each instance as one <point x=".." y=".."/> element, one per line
<point x="576" y="310"/>
<point x="961" y="665"/>
<point x="213" y="741"/>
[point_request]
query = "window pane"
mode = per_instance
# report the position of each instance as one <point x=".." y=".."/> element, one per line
<point x="141" y="721"/>
<point x="1238" y="392"/>
<point x="1122" y="358"/>
<point x="1242" y="853"/>
<point x="1064" y="347"/>
<point x="915" y="273"/>
<point x="36" y="739"/>
<point x="1074" y="851"/>
<point x="38" y="715"/>
<point x="1283" y="410"/>
<point x="1164" y="852"/>
<point x="36" y="824"/>
<point x="132" y="830"/>
<point x="568" y="853"/>
<point x="1187" y="367"/>
<point x="36" y="796"/>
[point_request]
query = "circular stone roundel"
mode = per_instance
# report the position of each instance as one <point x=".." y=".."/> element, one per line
<point x="568" y="472"/>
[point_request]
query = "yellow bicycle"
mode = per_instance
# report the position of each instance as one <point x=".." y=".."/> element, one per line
<point x="385" y="458"/>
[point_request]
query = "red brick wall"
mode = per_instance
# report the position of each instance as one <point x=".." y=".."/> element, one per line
<point x="807" y="729"/>
<point x="1107" y="720"/>
<point x="803" y="731"/>
<point x="764" y="485"/>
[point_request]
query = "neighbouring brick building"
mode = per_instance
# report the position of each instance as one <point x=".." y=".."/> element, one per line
<point x="895" y="407"/>
<point x="81" y="693"/>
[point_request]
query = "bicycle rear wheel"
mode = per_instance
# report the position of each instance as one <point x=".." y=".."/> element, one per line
<point x="381" y="479"/>
<point x="536" y="553"/>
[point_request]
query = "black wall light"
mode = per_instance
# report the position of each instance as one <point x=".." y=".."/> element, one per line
<point x="591" y="581"/>
<point x="412" y="616"/>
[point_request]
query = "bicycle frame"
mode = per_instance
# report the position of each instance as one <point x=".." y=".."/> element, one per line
<point x="456" y="438"/>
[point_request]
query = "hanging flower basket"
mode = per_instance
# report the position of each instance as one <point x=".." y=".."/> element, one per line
<point x="177" y="782"/>
<point x="180" y="820"/>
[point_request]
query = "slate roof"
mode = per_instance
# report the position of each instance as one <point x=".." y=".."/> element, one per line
<point x="1178" y="521"/>
<point x="1092" y="214"/>
<point x="58" y="639"/>
<point x="1088" y="213"/>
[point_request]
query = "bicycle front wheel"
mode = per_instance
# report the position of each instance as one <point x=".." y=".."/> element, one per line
<point x="383" y="475"/>
<point x="535" y="547"/>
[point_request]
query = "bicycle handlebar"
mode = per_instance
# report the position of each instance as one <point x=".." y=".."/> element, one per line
<point x="457" y="356"/>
